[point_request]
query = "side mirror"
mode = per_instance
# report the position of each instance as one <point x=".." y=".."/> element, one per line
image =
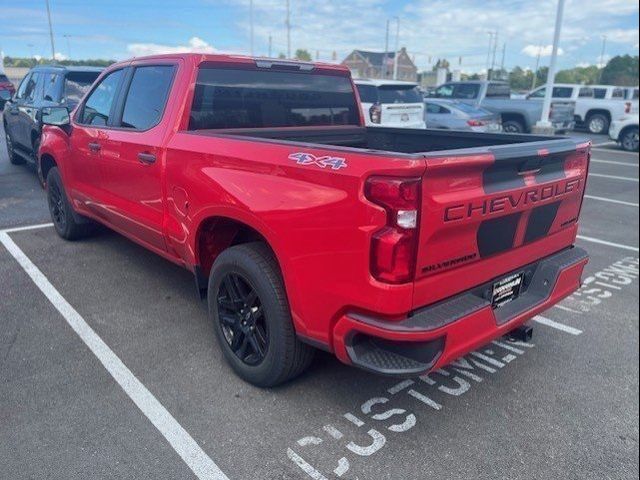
<point x="58" y="116"/>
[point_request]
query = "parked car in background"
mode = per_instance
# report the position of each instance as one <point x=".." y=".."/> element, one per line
<point x="6" y="89"/>
<point x="596" y="105"/>
<point x="455" y="115"/>
<point x="625" y="132"/>
<point x="43" y="86"/>
<point x="518" y="116"/>
<point x="390" y="103"/>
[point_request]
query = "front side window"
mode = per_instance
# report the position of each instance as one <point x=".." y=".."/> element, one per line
<point x="30" y="89"/>
<point x="76" y="84"/>
<point x="97" y="108"/>
<point x="262" y="98"/>
<point x="23" y="86"/>
<point x="538" y="93"/>
<point x="498" y="90"/>
<point x="147" y="96"/>
<point x="51" y="88"/>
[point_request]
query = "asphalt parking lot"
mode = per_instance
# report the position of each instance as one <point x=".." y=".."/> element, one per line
<point x="563" y="406"/>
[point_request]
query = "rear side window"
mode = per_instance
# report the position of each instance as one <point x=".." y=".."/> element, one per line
<point x="498" y="90"/>
<point x="76" y="84"/>
<point x="617" y="93"/>
<point x="434" y="108"/>
<point x="368" y="93"/>
<point x="235" y="98"/>
<point x="399" y="94"/>
<point x="463" y="91"/>
<point x="147" y="96"/>
<point x="599" y="92"/>
<point x="97" y="108"/>
<point x="51" y="89"/>
<point x="585" y="93"/>
<point x="562" y="92"/>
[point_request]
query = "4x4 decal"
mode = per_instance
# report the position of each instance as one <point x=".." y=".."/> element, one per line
<point x="302" y="158"/>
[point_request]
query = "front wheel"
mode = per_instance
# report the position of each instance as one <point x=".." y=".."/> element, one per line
<point x="67" y="223"/>
<point x="251" y="316"/>
<point x="598" y="123"/>
<point x="629" y="140"/>
<point x="512" y="126"/>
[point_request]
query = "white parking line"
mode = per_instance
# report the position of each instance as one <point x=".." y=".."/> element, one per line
<point x="613" y="177"/>
<point x="610" y="244"/>
<point x="27" y="227"/>
<point x="611" y="200"/>
<point x="556" y="325"/>
<point x="603" y="144"/>
<point x="179" y="439"/>
<point x="614" y="162"/>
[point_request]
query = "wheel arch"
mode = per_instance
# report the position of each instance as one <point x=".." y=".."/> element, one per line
<point x="598" y="111"/>
<point x="45" y="163"/>
<point x="516" y="116"/>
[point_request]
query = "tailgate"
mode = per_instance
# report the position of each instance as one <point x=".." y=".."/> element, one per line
<point x="485" y="213"/>
<point x="562" y="112"/>
<point x="399" y="113"/>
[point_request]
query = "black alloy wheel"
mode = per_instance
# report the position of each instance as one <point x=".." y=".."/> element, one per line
<point x="242" y="319"/>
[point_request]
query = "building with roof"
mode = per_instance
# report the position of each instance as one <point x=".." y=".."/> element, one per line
<point x="379" y="65"/>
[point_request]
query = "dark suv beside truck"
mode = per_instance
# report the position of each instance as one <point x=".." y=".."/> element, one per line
<point x="43" y="86"/>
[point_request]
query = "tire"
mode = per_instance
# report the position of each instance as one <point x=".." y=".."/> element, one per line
<point x="248" y="306"/>
<point x="598" y="123"/>
<point x="512" y="126"/>
<point x="68" y="224"/>
<point x="13" y="158"/>
<point x="629" y="140"/>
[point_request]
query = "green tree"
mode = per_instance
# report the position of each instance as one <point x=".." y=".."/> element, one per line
<point x="621" y="70"/>
<point x="302" y="54"/>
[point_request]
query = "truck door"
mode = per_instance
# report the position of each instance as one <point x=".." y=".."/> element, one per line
<point x="131" y="156"/>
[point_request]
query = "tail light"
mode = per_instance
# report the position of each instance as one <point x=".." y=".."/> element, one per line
<point x="627" y="107"/>
<point x="375" y="113"/>
<point x="476" y="123"/>
<point x="394" y="246"/>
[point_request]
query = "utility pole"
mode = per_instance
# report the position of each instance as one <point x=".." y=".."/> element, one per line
<point x="270" y="45"/>
<point x="490" y="33"/>
<point x="386" y="52"/>
<point x="288" y="24"/>
<point x="395" y="56"/>
<point x="251" y="27"/>
<point x="604" y="46"/>
<point x="495" y="48"/>
<point x="504" y="54"/>
<point x="535" y="72"/>
<point x="68" y="44"/>
<point x="53" y="48"/>
<point x="551" y="78"/>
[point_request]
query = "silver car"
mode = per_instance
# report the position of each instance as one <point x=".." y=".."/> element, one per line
<point x="454" y="115"/>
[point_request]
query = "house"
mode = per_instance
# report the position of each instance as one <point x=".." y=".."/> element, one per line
<point x="379" y="65"/>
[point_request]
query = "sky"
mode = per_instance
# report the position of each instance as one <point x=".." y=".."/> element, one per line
<point x="430" y="29"/>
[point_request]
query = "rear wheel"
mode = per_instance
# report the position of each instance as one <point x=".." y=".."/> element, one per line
<point x="598" y="123"/>
<point x="252" y="319"/>
<point x="67" y="223"/>
<point x="629" y="140"/>
<point x="512" y="126"/>
<point x="13" y="157"/>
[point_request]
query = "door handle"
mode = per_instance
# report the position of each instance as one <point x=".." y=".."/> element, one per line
<point x="94" y="147"/>
<point x="146" y="158"/>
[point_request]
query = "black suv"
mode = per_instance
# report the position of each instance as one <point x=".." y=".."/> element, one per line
<point x="43" y="86"/>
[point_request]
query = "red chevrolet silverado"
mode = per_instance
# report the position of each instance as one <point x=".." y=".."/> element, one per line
<point x="398" y="250"/>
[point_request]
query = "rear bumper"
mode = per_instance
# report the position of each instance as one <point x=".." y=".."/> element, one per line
<point x="432" y="337"/>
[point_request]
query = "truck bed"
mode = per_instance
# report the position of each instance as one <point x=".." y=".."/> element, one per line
<point x="392" y="141"/>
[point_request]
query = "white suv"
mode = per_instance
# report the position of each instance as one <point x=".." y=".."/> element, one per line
<point x="625" y="132"/>
<point x="390" y="103"/>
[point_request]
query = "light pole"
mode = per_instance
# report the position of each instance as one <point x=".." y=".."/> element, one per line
<point x="489" y="52"/>
<point x="535" y="72"/>
<point x="288" y="24"/>
<point x="604" y="46"/>
<point x="544" y="122"/>
<point x="395" y="56"/>
<point x="251" y="27"/>
<point x="53" y="48"/>
<point x="386" y="52"/>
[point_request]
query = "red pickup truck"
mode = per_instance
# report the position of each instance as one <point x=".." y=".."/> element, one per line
<point x="398" y="250"/>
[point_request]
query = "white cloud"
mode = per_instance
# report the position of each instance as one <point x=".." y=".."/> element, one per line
<point x="542" y="50"/>
<point x="619" y="35"/>
<point x="195" y="44"/>
<point x="60" y="56"/>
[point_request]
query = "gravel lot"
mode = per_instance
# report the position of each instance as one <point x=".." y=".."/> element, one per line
<point x="564" y="406"/>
